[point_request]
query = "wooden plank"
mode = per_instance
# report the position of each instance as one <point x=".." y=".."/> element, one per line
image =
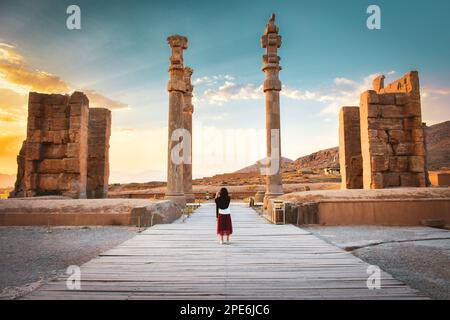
<point x="184" y="260"/>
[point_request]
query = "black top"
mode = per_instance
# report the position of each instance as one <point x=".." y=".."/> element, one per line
<point x="221" y="203"/>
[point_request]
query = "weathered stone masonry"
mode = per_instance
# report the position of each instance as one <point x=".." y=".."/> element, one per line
<point x="98" y="152"/>
<point x="392" y="136"/>
<point x="350" y="148"/>
<point x="188" y="110"/>
<point x="55" y="157"/>
<point x="176" y="88"/>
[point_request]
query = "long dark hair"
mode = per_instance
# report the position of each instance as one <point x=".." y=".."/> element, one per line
<point x="223" y="193"/>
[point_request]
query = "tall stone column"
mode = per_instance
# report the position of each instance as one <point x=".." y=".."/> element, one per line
<point x="187" y="120"/>
<point x="176" y="88"/>
<point x="271" y="41"/>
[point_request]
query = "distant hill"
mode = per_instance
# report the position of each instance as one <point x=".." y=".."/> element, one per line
<point x="438" y="144"/>
<point x="319" y="160"/>
<point x="254" y="168"/>
<point x="7" y="180"/>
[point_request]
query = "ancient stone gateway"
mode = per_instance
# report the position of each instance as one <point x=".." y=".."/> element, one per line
<point x="392" y="137"/>
<point x="179" y="171"/>
<point x="66" y="149"/>
<point x="382" y="142"/>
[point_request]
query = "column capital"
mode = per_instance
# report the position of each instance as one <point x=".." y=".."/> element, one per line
<point x="177" y="41"/>
<point x="176" y="69"/>
<point x="271" y="41"/>
<point x="177" y="44"/>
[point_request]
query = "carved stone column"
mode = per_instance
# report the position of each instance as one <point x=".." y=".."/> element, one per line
<point x="187" y="120"/>
<point x="176" y="88"/>
<point x="271" y="41"/>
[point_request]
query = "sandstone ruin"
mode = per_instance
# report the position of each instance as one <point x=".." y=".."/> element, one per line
<point x="392" y="137"/>
<point x="271" y="41"/>
<point x="188" y="110"/>
<point x="177" y="89"/>
<point x="98" y="152"/>
<point x="66" y="149"/>
<point x="350" y="157"/>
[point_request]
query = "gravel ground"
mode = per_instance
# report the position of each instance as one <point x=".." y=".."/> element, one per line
<point x="32" y="255"/>
<point x="400" y="251"/>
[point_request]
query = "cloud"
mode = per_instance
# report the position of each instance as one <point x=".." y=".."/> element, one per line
<point x="7" y="53"/>
<point x="435" y="104"/>
<point x="219" y="89"/>
<point x="212" y="80"/>
<point x="344" y="81"/>
<point x="233" y="91"/>
<point x="10" y="145"/>
<point x="97" y="100"/>
<point x="295" y="94"/>
<point x="12" y="106"/>
<point x="342" y="91"/>
<point x="433" y="92"/>
<point x="14" y="70"/>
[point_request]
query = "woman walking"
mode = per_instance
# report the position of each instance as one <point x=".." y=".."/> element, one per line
<point x="224" y="225"/>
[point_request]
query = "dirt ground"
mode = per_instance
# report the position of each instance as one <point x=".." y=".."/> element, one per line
<point x="417" y="256"/>
<point x="32" y="255"/>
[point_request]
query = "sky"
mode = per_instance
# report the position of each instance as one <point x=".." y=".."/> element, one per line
<point x="120" y="59"/>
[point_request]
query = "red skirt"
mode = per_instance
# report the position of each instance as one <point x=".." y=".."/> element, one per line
<point x="224" y="225"/>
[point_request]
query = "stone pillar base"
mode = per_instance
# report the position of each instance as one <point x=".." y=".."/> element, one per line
<point x="190" y="197"/>
<point x="269" y="196"/>
<point x="179" y="199"/>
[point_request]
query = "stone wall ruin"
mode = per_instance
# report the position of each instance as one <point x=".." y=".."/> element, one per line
<point x="392" y="136"/>
<point x="66" y="149"/>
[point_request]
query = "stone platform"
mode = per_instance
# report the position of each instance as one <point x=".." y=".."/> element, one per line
<point x="389" y="207"/>
<point x="54" y="211"/>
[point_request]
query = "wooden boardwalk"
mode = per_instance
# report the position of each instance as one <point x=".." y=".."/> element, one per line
<point x="263" y="261"/>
